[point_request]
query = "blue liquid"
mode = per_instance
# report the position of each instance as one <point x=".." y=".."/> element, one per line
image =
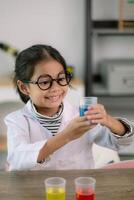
<point x="83" y="109"/>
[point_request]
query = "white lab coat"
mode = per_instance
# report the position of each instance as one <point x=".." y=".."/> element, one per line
<point x="26" y="136"/>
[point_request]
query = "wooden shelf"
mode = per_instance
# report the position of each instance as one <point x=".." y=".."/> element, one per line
<point x="98" y="29"/>
<point x="111" y="27"/>
<point x="113" y="32"/>
<point x="100" y="90"/>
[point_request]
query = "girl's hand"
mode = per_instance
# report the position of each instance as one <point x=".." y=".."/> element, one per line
<point x="97" y="114"/>
<point x="77" y="127"/>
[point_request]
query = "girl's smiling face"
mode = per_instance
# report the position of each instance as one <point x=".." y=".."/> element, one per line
<point x="47" y="102"/>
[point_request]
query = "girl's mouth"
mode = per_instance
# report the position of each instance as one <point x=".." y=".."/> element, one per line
<point x="54" y="98"/>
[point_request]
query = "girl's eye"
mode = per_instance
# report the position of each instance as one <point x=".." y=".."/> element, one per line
<point x="44" y="82"/>
<point x="61" y="79"/>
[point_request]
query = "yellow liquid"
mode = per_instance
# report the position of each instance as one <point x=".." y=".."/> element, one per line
<point x="55" y="194"/>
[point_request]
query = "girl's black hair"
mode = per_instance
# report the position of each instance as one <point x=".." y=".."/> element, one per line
<point x="29" y="58"/>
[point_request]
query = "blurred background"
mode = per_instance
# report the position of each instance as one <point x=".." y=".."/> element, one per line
<point x="96" y="38"/>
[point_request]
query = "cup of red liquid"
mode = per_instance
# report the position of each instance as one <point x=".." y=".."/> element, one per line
<point x="85" y="188"/>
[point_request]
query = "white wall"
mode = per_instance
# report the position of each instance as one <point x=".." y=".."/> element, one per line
<point x="60" y="23"/>
<point x="105" y="9"/>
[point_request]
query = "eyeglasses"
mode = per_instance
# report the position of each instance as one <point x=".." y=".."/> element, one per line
<point x="45" y="82"/>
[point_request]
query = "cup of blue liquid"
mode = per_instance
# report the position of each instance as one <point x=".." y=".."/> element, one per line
<point x="85" y="103"/>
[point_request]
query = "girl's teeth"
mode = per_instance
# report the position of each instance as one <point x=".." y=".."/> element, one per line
<point x="54" y="98"/>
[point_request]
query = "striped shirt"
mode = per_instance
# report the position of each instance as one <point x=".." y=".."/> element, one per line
<point x="51" y="123"/>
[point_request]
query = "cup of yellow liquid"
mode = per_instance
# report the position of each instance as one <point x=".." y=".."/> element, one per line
<point x="55" y="188"/>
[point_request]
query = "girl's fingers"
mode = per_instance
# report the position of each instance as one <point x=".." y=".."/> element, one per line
<point x="84" y="123"/>
<point x="95" y="116"/>
<point x="96" y="109"/>
<point x="98" y="121"/>
<point x="86" y="128"/>
<point x="81" y="119"/>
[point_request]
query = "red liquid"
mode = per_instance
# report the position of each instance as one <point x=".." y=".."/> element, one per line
<point x="81" y="195"/>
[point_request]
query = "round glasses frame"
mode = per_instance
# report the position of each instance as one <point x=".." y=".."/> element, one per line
<point x="68" y="77"/>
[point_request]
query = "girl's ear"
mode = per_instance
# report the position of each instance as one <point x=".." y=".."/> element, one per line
<point x="23" y="87"/>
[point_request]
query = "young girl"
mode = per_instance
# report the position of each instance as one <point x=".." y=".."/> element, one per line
<point x="48" y="133"/>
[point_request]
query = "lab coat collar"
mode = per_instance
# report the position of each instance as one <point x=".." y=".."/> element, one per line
<point x="67" y="111"/>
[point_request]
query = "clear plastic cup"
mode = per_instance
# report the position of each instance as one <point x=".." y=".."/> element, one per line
<point x="85" y="188"/>
<point x="85" y="102"/>
<point x="55" y="188"/>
